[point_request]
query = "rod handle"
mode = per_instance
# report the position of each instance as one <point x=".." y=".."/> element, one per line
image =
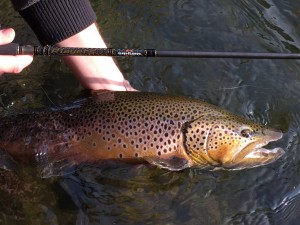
<point x="16" y="49"/>
<point x="9" y="49"/>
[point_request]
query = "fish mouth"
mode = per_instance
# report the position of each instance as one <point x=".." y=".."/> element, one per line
<point x="254" y="154"/>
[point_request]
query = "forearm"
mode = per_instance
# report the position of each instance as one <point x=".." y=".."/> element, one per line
<point x="94" y="72"/>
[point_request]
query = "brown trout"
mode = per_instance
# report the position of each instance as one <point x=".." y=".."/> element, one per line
<point x="170" y="132"/>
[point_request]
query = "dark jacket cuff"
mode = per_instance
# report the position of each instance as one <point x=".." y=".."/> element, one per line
<point x="55" y="20"/>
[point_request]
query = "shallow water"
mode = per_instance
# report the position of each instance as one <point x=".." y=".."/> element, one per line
<point x="266" y="91"/>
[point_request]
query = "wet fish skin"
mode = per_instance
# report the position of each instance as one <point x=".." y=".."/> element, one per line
<point x="171" y="132"/>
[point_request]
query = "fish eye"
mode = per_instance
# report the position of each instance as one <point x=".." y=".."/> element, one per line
<point x="246" y="133"/>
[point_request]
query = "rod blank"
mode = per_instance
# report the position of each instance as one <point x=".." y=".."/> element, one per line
<point x="16" y="49"/>
<point x="240" y="55"/>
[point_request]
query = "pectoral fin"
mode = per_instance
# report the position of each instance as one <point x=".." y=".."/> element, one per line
<point x="59" y="159"/>
<point x="7" y="162"/>
<point x="171" y="163"/>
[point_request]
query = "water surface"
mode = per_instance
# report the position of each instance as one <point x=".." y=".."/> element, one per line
<point x="266" y="91"/>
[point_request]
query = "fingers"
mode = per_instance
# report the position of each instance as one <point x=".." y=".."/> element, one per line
<point x="12" y="64"/>
<point x="128" y="87"/>
<point x="6" y="36"/>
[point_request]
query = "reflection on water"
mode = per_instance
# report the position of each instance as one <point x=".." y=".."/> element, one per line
<point x="266" y="91"/>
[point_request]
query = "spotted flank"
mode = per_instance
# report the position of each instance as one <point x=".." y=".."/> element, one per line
<point x="171" y="132"/>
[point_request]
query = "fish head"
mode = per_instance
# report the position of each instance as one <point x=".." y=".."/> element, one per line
<point x="229" y="142"/>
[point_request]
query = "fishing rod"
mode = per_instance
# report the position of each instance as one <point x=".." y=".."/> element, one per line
<point x="16" y="49"/>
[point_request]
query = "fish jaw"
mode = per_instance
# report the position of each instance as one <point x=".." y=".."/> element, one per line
<point x="254" y="155"/>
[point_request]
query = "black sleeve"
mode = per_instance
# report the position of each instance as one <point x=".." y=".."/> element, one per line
<point x="55" y="20"/>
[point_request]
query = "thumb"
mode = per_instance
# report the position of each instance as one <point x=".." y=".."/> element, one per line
<point x="6" y="36"/>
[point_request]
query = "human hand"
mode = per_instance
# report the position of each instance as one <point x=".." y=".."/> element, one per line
<point x="12" y="64"/>
<point x="94" y="72"/>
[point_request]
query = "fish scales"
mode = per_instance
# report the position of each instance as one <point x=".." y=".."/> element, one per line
<point x="172" y="132"/>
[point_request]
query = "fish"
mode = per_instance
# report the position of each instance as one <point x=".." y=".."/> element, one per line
<point x="171" y="132"/>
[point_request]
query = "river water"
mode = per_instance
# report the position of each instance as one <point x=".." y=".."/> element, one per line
<point x="266" y="91"/>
